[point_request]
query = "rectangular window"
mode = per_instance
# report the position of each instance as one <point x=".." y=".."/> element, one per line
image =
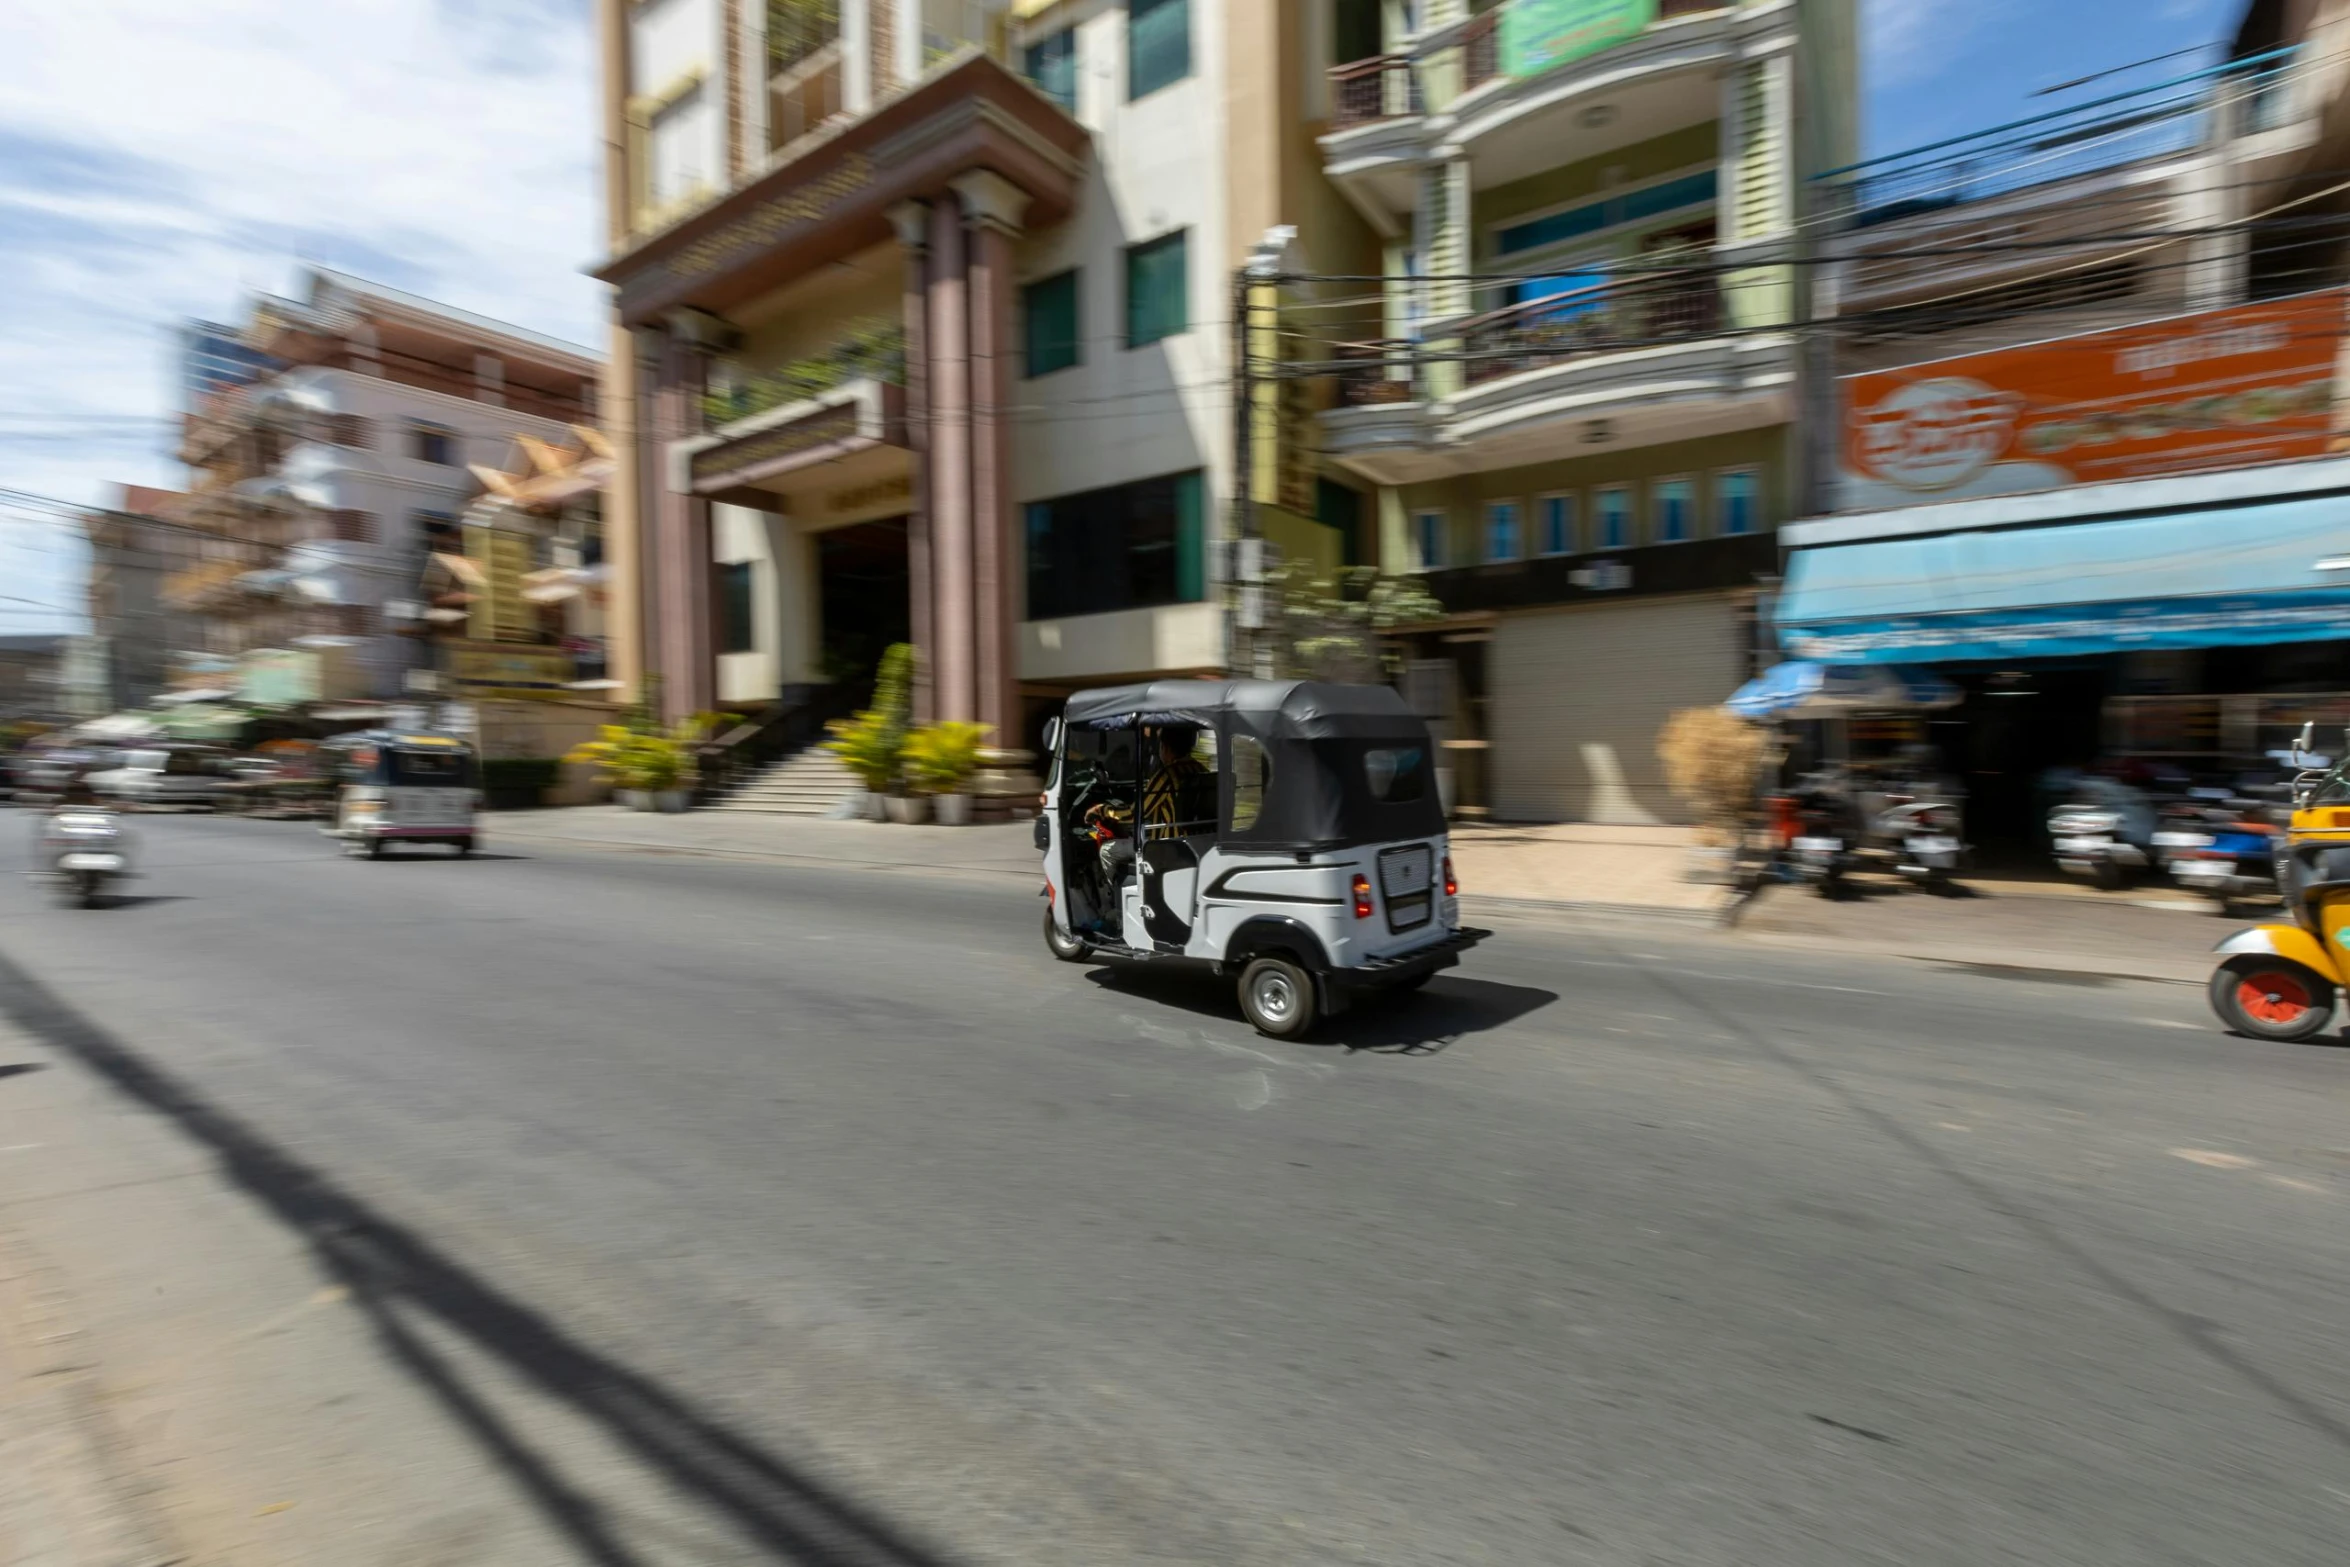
<point x="1158" y="44"/>
<point x="1691" y="190"/>
<point x="1737" y="501"/>
<point x="1131" y="546"/>
<point x="1611" y="511"/>
<point x="350" y="526"/>
<point x="1428" y="530"/>
<point x="1672" y="511"/>
<point x="430" y="443"/>
<point x="677" y="134"/>
<point x="1252" y="769"/>
<point x="437" y="531"/>
<point x="1554" y="517"/>
<point x="1501" y="530"/>
<point x="737" y="630"/>
<point x="1052" y="66"/>
<point x="1158" y="288"/>
<point x="1049" y="314"/>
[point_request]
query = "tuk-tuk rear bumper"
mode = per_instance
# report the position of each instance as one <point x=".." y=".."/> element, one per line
<point x="1380" y="973"/>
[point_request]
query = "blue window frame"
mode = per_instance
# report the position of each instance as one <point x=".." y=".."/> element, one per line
<point x="1049" y="320"/>
<point x="1158" y="45"/>
<point x="1692" y="190"/>
<point x="1611" y="510"/>
<point x="1052" y="66"/>
<point x="1158" y="288"/>
<point x="1428" y="529"/>
<point x="1673" y="511"/>
<point x="1737" y="501"/>
<point x="1554" y="521"/>
<point x="1501" y="530"/>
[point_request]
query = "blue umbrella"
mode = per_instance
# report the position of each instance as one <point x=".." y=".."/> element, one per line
<point x="1801" y="689"/>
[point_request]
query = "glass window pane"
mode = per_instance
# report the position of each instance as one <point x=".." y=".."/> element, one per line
<point x="1429" y="526"/>
<point x="1675" y="505"/>
<point x="1252" y="769"/>
<point x="1735" y="493"/>
<point x="1501" y="530"/>
<point x="1615" y="518"/>
<point x="1051" y="322"/>
<point x="1131" y="546"/>
<point x="1558" y="524"/>
<point x="1052" y="66"/>
<point x="1158" y="44"/>
<point x="1397" y="775"/>
<point x="737" y="631"/>
<point x="1158" y="282"/>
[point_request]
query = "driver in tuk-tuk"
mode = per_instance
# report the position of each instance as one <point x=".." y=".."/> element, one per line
<point x="1170" y="798"/>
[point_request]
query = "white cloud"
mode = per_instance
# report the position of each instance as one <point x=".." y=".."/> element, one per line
<point x="160" y="160"/>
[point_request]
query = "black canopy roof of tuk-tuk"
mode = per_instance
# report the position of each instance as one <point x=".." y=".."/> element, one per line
<point x="1321" y="743"/>
<point x="1290" y="709"/>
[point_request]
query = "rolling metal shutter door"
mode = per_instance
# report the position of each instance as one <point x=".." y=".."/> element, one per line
<point x="1579" y="695"/>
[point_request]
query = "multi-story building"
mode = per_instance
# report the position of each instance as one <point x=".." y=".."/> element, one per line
<point x="136" y="548"/>
<point x="327" y="474"/>
<point x="2085" y="452"/>
<point x="1580" y="405"/>
<point x="924" y="330"/>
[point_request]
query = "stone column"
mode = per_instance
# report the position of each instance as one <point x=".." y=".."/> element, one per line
<point x="992" y="205"/>
<point x="954" y="684"/>
<point x="911" y="219"/>
<point x="685" y="635"/>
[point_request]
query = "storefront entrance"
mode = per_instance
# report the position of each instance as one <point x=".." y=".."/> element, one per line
<point x="863" y="594"/>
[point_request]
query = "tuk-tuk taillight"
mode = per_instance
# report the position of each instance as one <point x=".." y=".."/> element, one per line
<point x="1452" y="886"/>
<point x="1362" y="897"/>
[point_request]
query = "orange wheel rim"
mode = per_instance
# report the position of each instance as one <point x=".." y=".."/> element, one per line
<point x="2273" y="996"/>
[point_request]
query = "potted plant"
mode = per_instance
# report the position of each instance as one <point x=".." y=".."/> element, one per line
<point x="872" y="745"/>
<point x="1713" y="764"/>
<point x="940" y="759"/>
<point x="649" y="768"/>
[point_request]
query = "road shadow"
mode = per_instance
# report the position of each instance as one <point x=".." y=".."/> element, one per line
<point x="1415" y="1023"/>
<point x="140" y="900"/>
<point x="395" y="1275"/>
<point x="18" y="1068"/>
<point x="436" y="856"/>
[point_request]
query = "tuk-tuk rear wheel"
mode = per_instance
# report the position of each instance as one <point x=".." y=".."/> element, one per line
<point x="2270" y="998"/>
<point x="1065" y="945"/>
<point x="1277" y="997"/>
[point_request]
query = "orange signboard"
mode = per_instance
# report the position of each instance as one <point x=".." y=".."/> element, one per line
<point x="2220" y="389"/>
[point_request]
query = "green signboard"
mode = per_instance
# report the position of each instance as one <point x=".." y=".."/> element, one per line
<point x="1542" y="35"/>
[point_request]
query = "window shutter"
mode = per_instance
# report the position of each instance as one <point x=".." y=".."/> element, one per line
<point x="352" y="527"/>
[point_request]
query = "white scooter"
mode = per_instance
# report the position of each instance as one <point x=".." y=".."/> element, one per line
<point x="83" y="850"/>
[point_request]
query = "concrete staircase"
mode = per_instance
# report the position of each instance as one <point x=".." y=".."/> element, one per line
<point x="809" y="782"/>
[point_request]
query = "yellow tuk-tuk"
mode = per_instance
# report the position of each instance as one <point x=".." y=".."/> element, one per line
<point x="2283" y="980"/>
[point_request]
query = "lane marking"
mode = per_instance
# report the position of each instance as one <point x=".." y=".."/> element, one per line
<point x="2295" y="1183"/>
<point x="2166" y="1022"/>
<point x="2213" y="1159"/>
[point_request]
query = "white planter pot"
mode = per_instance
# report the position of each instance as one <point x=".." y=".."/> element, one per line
<point x="633" y="799"/>
<point x="671" y="801"/>
<point x="951" y="810"/>
<point x="876" y="807"/>
<point x="907" y="810"/>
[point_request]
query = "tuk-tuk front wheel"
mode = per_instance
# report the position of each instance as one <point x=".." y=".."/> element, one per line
<point x="1065" y="945"/>
<point x="2270" y="998"/>
<point x="1277" y="997"/>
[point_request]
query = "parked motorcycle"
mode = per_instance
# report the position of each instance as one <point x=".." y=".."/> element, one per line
<point x="84" y="853"/>
<point x="2104" y="832"/>
<point x="1827" y="834"/>
<point x="1923" y="836"/>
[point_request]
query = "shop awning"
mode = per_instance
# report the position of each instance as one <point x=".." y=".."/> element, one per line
<point x="2205" y="577"/>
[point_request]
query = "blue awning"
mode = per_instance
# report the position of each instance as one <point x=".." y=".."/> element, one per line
<point x="2209" y="577"/>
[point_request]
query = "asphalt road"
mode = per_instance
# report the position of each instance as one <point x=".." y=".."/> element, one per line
<point x="739" y="1212"/>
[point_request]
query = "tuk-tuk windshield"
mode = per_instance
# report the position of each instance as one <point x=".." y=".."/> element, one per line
<point x="421" y="769"/>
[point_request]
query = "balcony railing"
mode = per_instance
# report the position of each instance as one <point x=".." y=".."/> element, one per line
<point x="797" y="29"/>
<point x="1383" y="87"/>
<point x="1618" y="314"/>
<point x="1377" y="373"/>
<point x="872" y="349"/>
<point x="1481" y="50"/>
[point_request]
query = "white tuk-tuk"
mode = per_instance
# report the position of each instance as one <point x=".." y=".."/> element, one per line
<point x="400" y="787"/>
<point x="1290" y="835"/>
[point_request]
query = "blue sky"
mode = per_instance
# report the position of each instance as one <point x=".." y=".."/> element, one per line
<point x="1937" y="68"/>
<point x="161" y="159"/>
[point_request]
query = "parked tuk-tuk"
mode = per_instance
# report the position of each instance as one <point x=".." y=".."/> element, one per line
<point x="398" y="786"/>
<point x="1287" y="833"/>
